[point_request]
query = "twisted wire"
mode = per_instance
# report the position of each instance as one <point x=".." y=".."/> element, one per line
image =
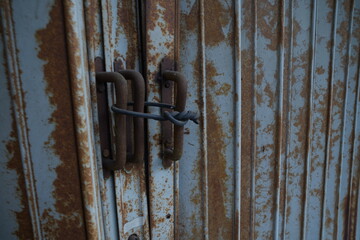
<point x="177" y="118"/>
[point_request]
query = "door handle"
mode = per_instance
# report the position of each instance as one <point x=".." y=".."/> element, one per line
<point x="138" y="86"/>
<point x="174" y="153"/>
<point x="121" y="92"/>
<point x="172" y="114"/>
<point x="175" y="114"/>
<point x="120" y="120"/>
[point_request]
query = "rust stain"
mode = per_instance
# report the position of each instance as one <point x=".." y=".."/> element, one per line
<point x="211" y="71"/>
<point x="356" y="35"/>
<point x="160" y="14"/>
<point x="259" y="78"/>
<point x="247" y="139"/>
<point x="23" y="218"/>
<point x="353" y="203"/>
<point x="126" y="24"/>
<point x="320" y="70"/>
<point x="67" y="192"/>
<point x="217" y="87"/>
<point x="268" y="22"/>
<point x="344" y="206"/>
<point x="161" y="9"/>
<point x="347" y="6"/>
<point x="329" y="221"/>
<point x="92" y="32"/>
<point x="216" y="17"/>
<point x="283" y="120"/>
<point x="343" y="31"/>
<point x="224" y="89"/>
<point x="82" y="131"/>
<point x="24" y="230"/>
<point x="271" y="101"/>
<point x="220" y="227"/>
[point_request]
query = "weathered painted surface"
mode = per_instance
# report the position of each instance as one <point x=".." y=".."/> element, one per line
<point x="37" y="75"/>
<point x="276" y="153"/>
<point x="46" y="74"/>
<point x="15" y="218"/>
<point x="81" y="99"/>
<point x="308" y="89"/>
<point x="93" y="25"/>
<point x="124" y="192"/>
<point x="209" y="166"/>
<point x="160" y="42"/>
<point x="299" y="119"/>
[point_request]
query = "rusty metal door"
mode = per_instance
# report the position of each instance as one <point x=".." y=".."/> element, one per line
<point x="276" y="154"/>
<point x="49" y="181"/>
<point x="53" y="185"/>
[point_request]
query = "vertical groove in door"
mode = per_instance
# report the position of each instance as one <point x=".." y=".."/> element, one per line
<point x="337" y="233"/>
<point x="80" y="90"/>
<point x="288" y="141"/>
<point x="18" y="104"/>
<point x="309" y="124"/>
<point x="353" y="222"/>
<point x="204" y="126"/>
<point x="329" y="124"/>
<point x="355" y="215"/>
<point x="253" y="132"/>
<point x="289" y="116"/>
<point x="247" y="124"/>
<point x="237" y="119"/>
<point x="279" y="120"/>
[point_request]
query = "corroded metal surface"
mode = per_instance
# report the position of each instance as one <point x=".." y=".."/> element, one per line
<point x="160" y="42"/>
<point x="208" y="170"/>
<point x="121" y="46"/>
<point x="277" y="153"/>
<point x="15" y="218"/>
<point x="299" y="97"/>
<point x="93" y="26"/>
<point x="81" y="99"/>
<point x="40" y="91"/>
<point x="303" y="110"/>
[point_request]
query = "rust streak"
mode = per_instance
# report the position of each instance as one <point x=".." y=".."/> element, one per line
<point x="127" y="20"/>
<point x="67" y="192"/>
<point x="220" y="227"/>
<point x="23" y="218"/>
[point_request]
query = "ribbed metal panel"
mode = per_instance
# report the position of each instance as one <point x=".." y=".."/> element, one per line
<point x="299" y="116"/>
<point x="276" y="154"/>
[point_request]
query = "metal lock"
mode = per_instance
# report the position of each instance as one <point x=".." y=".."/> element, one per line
<point x="173" y="117"/>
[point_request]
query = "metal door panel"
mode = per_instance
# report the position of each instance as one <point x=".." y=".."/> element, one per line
<point x="316" y="115"/>
<point x="94" y="39"/>
<point x="15" y="217"/>
<point x="160" y="29"/>
<point x="193" y="184"/>
<point x="120" y="32"/>
<point x="47" y="75"/>
<point x="45" y="110"/>
<point x="276" y="153"/>
<point x="208" y="169"/>
<point x="341" y="126"/>
<point x="298" y="85"/>
<point x="298" y="112"/>
<point x="81" y="99"/>
<point x="267" y="116"/>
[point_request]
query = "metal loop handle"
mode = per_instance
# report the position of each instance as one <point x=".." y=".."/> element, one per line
<point x="120" y="120"/>
<point x="138" y="86"/>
